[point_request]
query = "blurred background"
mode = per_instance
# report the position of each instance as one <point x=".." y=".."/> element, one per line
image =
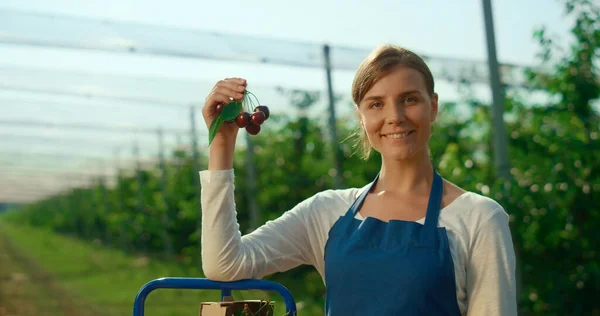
<point x="101" y="136"/>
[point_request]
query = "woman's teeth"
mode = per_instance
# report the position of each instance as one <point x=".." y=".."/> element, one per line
<point x="401" y="135"/>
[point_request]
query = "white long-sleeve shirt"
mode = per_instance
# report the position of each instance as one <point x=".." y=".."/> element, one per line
<point x="478" y="233"/>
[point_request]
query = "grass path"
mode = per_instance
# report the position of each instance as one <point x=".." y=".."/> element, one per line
<point x="44" y="273"/>
<point x="25" y="289"/>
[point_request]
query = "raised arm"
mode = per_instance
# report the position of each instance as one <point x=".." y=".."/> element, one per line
<point x="226" y="255"/>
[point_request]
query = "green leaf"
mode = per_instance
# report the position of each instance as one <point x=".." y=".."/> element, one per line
<point x="214" y="127"/>
<point x="231" y="110"/>
<point x="539" y="33"/>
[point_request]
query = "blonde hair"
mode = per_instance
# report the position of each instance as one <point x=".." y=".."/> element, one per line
<point x="381" y="61"/>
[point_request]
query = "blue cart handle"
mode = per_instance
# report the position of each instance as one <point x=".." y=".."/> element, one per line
<point x="201" y="283"/>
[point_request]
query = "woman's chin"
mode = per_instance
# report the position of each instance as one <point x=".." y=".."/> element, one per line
<point x="400" y="154"/>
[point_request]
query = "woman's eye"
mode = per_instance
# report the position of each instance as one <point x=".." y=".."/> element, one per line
<point x="410" y="100"/>
<point x="375" y="105"/>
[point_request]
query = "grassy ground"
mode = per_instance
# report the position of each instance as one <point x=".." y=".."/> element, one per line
<point x="25" y="290"/>
<point x="81" y="278"/>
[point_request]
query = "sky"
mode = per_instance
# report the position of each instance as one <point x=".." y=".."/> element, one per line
<point x="452" y="29"/>
<point x="446" y="28"/>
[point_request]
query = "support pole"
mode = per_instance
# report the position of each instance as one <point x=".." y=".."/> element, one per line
<point x="196" y="169"/>
<point x="500" y="141"/>
<point x="251" y="184"/>
<point x="336" y="152"/>
<point x="164" y="217"/>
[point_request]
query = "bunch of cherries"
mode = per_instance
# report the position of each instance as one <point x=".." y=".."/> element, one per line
<point x="250" y="121"/>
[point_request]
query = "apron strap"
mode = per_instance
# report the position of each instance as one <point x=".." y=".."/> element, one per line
<point x="433" y="211"/>
<point x="358" y="202"/>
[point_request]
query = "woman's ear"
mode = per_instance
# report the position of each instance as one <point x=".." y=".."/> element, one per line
<point x="434" y="107"/>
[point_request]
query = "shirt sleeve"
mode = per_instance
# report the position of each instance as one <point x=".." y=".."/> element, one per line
<point x="277" y="246"/>
<point x="491" y="286"/>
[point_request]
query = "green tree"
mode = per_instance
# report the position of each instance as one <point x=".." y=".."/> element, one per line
<point x="555" y="152"/>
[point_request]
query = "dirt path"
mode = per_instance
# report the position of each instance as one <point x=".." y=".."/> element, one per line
<point x="26" y="290"/>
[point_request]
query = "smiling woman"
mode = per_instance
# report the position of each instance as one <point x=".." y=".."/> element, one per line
<point x="393" y="86"/>
<point x="408" y="243"/>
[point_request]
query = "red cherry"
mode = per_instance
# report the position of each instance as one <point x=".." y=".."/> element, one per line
<point x="219" y="108"/>
<point x="242" y="119"/>
<point x="264" y="109"/>
<point x="252" y="128"/>
<point x="257" y="118"/>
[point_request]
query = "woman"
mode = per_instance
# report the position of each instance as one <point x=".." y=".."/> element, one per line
<point x="408" y="243"/>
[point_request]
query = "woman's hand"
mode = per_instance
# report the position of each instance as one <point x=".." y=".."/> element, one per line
<point x="223" y="144"/>
<point x="222" y="93"/>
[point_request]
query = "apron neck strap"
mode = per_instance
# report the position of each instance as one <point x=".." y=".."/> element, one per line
<point x="358" y="202"/>
<point x="433" y="209"/>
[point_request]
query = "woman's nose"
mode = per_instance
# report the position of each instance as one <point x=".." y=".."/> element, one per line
<point x="395" y="114"/>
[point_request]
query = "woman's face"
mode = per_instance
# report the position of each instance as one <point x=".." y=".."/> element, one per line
<point x="397" y="113"/>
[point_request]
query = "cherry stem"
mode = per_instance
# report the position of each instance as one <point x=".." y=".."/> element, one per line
<point x="248" y="101"/>
<point x="252" y="104"/>
<point x="254" y="98"/>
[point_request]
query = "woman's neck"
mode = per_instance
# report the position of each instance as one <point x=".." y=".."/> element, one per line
<point x="414" y="176"/>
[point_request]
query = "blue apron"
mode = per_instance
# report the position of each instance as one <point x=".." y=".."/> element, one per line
<point x="394" y="268"/>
